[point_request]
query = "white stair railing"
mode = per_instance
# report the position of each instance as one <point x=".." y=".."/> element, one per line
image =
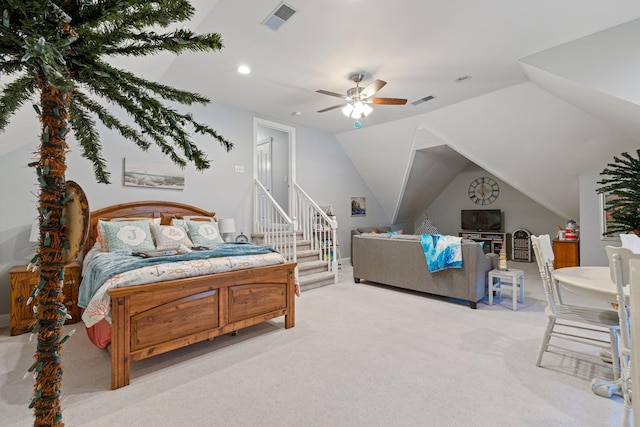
<point x="273" y="224"/>
<point x="317" y="227"/>
<point x="280" y="231"/>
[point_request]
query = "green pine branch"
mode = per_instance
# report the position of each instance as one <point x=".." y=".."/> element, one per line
<point x="89" y="139"/>
<point x="34" y="39"/>
<point x="622" y="180"/>
<point x="14" y="95"/>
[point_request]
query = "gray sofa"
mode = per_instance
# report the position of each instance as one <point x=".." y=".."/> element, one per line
<point x="366" y="230"/>
<point x="398" y="260"/>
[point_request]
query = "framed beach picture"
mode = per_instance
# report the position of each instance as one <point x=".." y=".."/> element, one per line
<point x="145" y="173"/>
<point x="605" y="221"/>
<point x="358" y="206"/>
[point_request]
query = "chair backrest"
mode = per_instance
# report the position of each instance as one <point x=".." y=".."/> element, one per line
<point x="545" y="249"/>
<point x="544" y="257"/>
<point x="623" y="257"/>
<point x="619" y="269"/>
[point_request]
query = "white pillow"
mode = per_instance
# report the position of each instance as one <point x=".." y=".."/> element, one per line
<point x="170" y="237"/>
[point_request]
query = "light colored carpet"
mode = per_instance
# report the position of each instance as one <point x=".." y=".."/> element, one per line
<point x="359" y="355"/>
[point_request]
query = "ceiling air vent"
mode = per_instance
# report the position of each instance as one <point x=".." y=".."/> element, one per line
<point x="279" y="16"/>
<point x="421" y="100"/>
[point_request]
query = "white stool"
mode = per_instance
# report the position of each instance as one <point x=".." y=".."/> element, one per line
<point x="511" y="277"/>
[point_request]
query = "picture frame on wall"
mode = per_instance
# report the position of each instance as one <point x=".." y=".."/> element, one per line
<point x="358" y="206"/>
<point x="605" y="216"/>
<point x="144" y="173"/>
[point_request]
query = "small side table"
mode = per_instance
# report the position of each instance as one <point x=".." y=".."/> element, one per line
<point x="511" y="277"/>
<point x="22" y="283"/>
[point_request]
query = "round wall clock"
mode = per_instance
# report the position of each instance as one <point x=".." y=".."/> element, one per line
<point x="483" y="191"/>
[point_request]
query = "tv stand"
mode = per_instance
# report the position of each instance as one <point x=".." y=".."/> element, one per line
<point x="494" y="241"/>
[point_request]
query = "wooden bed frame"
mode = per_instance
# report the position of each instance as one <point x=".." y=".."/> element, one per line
<point x="156" y="318"/>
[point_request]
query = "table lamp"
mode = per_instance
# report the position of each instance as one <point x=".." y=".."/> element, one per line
<point x="227" y="227"/>
<point x="34" y="237"/>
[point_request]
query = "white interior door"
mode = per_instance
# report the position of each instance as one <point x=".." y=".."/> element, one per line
<point x="274" y="162"/>
<point x="264" y="162"/>
<point x="263" y="155"/>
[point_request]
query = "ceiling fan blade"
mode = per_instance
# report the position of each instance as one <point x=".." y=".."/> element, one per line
<point x="326" y="92"/>
<point x="372" y="88"/>
<point x="388" y="101"/>
<point x="332" y="108"/>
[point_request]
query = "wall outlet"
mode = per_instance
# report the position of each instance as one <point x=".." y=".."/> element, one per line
<point x="239" y="169"/>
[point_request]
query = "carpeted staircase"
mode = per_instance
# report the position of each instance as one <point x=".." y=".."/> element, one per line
<point x="312" y="271"/>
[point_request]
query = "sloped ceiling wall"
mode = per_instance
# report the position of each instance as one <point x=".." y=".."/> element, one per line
<point x="577" y="112"/>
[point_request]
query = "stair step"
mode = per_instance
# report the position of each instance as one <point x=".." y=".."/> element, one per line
<point x="309" y="267"/>
<point x="307" y="255"/>
<point x="315" y="280"/>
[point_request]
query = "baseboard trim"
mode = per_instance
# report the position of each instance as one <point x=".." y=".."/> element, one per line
<point x="4" y="320"/>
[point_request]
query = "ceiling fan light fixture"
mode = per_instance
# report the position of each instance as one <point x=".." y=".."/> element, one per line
<point x="360" y="110"/>
<point x="347" y="110"/>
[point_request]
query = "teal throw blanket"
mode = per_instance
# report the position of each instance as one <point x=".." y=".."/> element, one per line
<point x="442" y="252"/>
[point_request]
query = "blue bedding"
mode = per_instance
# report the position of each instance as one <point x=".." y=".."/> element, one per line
<point x="442" y="252"/>
<point x="109" y="264"/>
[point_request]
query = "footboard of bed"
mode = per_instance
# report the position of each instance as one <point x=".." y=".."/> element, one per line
<point x="152" y="319"/>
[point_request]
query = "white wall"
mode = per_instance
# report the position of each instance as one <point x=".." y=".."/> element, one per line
<point x="592" y="243"/>
<point x="518" y="133"/>
<point x="519" y="211"/>
<point x="323" y="170"/>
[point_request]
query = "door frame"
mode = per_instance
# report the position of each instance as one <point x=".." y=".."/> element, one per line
<point x="291" y="131"/>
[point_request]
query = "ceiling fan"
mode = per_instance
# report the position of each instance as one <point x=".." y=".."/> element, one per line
<point x="357" y="98"/>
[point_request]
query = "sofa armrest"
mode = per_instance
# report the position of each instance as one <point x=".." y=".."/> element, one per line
<point x="492" y="260"/>
<point x="480" y="265"/>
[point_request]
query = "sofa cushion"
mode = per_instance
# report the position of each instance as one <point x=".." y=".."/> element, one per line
<point x="406" y="237"/>
<point x="366" y="229"/>
<point x="381" y="229"/>
<point x="376" y="235"/>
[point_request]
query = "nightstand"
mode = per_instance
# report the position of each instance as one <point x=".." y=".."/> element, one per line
<point x="22" y="283"/>
<point x="566" y="253"/>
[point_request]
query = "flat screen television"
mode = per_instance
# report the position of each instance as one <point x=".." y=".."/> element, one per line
<point x="481" y="220"/>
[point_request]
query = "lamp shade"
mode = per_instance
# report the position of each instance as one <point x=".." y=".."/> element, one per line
<point x="227" y="225"/>
<point x="35" y="232"/>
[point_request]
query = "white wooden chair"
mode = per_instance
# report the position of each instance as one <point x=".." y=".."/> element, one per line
<point x="585" y="323"/>
<point x="619" y="265"/>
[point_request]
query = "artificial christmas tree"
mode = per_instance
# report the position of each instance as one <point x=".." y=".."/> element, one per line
<point x="55" y="51"/>
<point x="623" y="184"/>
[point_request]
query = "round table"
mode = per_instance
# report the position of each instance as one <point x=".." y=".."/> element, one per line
<point x="594" y="281"/>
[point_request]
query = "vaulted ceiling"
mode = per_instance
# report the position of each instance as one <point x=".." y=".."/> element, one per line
<point x="558" y="78"/>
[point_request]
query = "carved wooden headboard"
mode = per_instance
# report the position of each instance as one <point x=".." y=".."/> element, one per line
<point x="147" y="209"/>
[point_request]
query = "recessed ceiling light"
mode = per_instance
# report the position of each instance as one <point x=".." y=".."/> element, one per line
<point x="296" y="113"/>
<point x="244" y="69"/>
<point x="463" y="79"/>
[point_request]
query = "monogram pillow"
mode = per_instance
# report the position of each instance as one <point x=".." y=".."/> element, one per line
<point x="204" y="233"/>
<point x="170" y="237"/>
<point x="134" y="236"/>
<point x="104" y="246"/>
